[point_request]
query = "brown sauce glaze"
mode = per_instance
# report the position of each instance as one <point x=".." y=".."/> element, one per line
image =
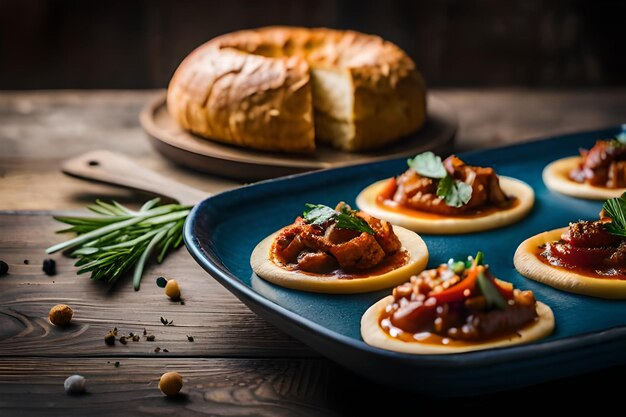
<point x="391" y="205"/>
<point x="388" y="264"/>
<point x="429" y="338"/>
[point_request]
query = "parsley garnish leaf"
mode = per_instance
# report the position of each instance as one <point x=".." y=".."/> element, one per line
<point x="455" y="193"/>
<point x="346" y="219"/>
<point x="428" y="164"/>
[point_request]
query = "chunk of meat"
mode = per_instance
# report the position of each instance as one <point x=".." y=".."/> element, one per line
<point x="336" y="235"/>
<point x="471" y="318"/>
<point x="317" y="262"/>
<point x="383" y="232"/>
<point x="586" y="234"/>
<point x="496" y="322"/>
<point x="362" y="252"/>
<point x="325" y="248"/>
<point x="420" y="193"/>
<point x="288" y="244"/>
<point x="604" y="165"/>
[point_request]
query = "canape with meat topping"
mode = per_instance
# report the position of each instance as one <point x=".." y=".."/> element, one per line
<point x="598" y="173"/>
<point x="339" y="250"/>
<point x="457" y="307"/>
<point x="447" y="197"/>
<point x="587" y="257"/>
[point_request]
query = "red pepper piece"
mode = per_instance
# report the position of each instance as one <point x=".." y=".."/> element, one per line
<point x="458" y="291"/>
<point x="388" y="190"/>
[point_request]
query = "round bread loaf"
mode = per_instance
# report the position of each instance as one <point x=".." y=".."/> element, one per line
<point x="283" y="88"/>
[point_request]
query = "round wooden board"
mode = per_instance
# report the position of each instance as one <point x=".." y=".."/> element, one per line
<point x="217" y="158"/>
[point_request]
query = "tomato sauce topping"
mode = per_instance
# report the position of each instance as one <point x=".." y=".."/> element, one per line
<point x="457" y="304"/>
<point x="589" y="249"/>
<point x="418" y="193"/>
<point x="604" y="165"/>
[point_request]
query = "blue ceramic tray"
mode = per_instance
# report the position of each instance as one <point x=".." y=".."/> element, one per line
<point x="590" y="333"/>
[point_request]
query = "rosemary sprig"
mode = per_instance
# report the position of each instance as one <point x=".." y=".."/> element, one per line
<point x="615" y="208"/>
<point x="110" y="244"/>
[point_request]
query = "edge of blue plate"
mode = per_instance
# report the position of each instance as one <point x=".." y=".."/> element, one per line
<point x="334" y="345"/>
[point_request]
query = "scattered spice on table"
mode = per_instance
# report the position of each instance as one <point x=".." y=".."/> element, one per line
<point x="4" y="268"/>
<point x="61" y="315"/>
<point x="157" y="349"/>
<point x="165" y="350"/>
<point x="109" y="339"/>
<point x="26" y="262"/>
<point x="189" y="338"/>
<point x="136" y="338"/>
<point x="117" y="364"/>
<point x="123" y="340"/>
<point x="150" y="338"/>
<point x="145" y="332"/>
<point x="166" y="322"/>
<point x="49" y="267"/>
<point x="172" y="290"/>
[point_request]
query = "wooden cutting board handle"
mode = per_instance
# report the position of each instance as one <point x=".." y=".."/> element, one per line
<point x="112" y="168"/>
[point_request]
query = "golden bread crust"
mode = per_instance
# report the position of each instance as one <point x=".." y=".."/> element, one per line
<point x="252" y="88"/>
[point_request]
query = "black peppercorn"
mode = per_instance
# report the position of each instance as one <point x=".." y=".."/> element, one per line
<point x="50" y="267"/>
<point x="4" y="268"/>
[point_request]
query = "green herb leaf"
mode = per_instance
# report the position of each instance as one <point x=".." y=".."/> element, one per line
<point x="109" y="245"/>
<point x="458" y="267"/>
<point x="427" y="164"/>
<point x="318" y="214"/>
<point x="490" y="292"/>
<point x="615" y="208"/>
<point x="455" y="193"/>
<point x="346" y="219"/>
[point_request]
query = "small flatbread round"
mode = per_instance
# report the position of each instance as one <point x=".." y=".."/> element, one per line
<point x="265" y="268"/>
<point x="527" y="264"/>
<point x="366" y="201"/>
<point x="556" y="177"/>
<point x="374" y="335"/>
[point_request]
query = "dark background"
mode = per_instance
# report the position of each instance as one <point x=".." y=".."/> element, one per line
<point x="138" y="44"/>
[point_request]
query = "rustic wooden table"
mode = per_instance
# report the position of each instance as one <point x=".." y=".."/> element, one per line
<point x="237" y="364"/>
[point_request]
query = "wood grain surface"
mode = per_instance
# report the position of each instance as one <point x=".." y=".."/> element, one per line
<point x="237" y="364"/>
<point x="220" y="325"/>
